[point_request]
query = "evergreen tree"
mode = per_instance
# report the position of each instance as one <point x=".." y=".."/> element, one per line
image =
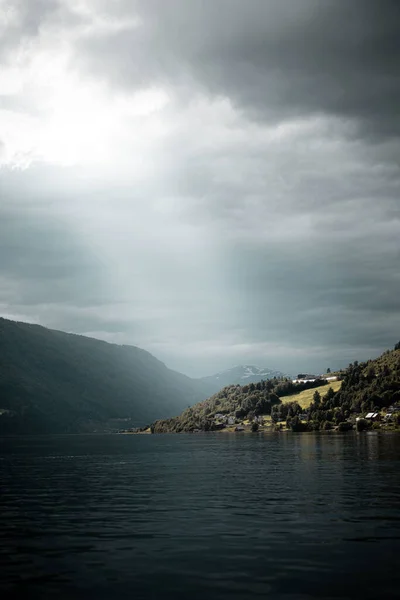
<point x="317" y="398"/>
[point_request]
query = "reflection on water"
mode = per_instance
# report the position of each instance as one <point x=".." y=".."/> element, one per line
<point x="201" y="516"/>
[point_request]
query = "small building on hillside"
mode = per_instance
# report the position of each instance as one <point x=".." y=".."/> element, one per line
<point x="304" y="378"/>
<point x="372" y="416"/>
<point x="221" y="417"/>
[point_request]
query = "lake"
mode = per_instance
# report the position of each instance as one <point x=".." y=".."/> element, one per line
<point x="211" y="516"/>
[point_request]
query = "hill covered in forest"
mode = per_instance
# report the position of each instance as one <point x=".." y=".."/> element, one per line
<point x="51" y="381"/>
<point x="368" y="388"/>
<point x="240" y="402"/>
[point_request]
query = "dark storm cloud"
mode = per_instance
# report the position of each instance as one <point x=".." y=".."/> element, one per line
<point x="317" y="291"/>
<point x="275" y="60"/>
<point x="255" y="218"/>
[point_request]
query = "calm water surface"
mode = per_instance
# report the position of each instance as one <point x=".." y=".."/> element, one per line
<point x="280" y="516"/>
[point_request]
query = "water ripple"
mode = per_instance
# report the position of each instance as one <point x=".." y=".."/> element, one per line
<point x="200" y="516"/>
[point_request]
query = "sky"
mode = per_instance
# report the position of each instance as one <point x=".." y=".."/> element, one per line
<point x="215" y="182"/>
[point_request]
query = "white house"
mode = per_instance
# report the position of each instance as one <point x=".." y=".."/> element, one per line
<point x="220" y="417"/>
<point x="372" y="415"/>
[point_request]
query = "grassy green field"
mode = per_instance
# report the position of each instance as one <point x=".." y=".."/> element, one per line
<point x="305" y="398"/>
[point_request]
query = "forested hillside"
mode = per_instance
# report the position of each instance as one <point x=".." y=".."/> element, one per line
<point x="369" y="387"/>
<point x="51" y="381"/>
<point x="240" y="402"/>
<point x="372" y="386"/>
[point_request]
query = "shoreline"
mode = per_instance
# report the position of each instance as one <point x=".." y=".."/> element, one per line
<point x="248" y="431"/>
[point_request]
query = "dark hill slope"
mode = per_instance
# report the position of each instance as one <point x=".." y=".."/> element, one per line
<point x="51" y="381"/>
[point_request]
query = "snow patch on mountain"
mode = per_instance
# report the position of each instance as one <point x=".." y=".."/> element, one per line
<point x="241" y="374"/>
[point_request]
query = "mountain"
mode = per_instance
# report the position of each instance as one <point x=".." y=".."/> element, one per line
<point x="241" y="374"/>
<point x="51" y="381"/>
<point x="369" y="388"/>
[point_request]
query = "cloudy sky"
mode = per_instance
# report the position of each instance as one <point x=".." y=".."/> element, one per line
<point x="214" y="181"/>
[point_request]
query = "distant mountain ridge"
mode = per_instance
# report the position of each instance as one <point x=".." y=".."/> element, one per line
<point x="52" y="381"/>
<point x="241" y="374"/>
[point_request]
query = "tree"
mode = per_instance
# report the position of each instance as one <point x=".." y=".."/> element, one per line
<point x="330" y="394"/>
<point x="371" y="373"/>
<point x="362" y="424"/>
<point x="251" y="415"/>
<point x="328" y="370"/>
<point x="262" y="407"/>
<point x="317" y="398"/>
<point x="296" y="425"/>
<point x="275" y="414"/>
<point x="345" y="426"/>
<point x="274" y="399"/>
